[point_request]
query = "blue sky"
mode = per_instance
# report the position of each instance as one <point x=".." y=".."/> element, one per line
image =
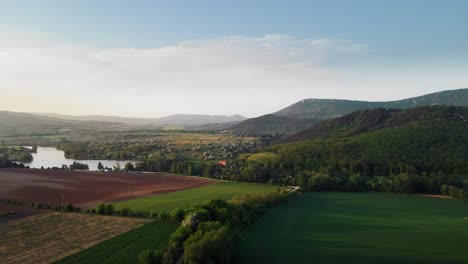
<point x="375" y="50"/>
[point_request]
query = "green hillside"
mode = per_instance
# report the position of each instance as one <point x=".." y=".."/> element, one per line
<point x="271" y="125"/>
<point x="415" y="150"/>
<point x="427" y="138"/>
<point x="331" y="108"/>
<point x="375" y="119"/>
<point x="308" y="112"/>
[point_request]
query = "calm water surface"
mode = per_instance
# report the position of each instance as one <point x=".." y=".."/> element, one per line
<point x="52" y="157"/>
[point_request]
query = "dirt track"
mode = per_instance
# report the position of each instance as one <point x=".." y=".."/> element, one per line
<point x="85" y="189"/>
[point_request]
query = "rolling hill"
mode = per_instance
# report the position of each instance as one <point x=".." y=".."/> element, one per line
<point x="13" y="124"/>
<point x="308" y="112"/>
<point x="427" y="139"/>
<point x="178" y="119"/>
<point x="331" y="108"/>
<point x="271" y="125"/>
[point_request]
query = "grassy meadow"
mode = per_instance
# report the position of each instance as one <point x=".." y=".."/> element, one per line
<point x="125" y="248"/>
<point x="186" y="198"/>
<point x="359" y="228"/>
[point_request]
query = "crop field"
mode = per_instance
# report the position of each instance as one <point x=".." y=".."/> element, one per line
<point x="9" y="212"/>
<point x="186" y="198"/>
<point x="359" y="228"/>
<point x="86" y="189"/>
<point x="48" y="237"/>
<point x="125" y="248"/>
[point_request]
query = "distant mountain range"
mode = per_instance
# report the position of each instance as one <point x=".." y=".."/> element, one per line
<point x="12" y="123"/>
<point x="179" y="119"/>
<point x="287" y="121"/>
<point x="305" y="113"/>
<point x="17" y="124"/>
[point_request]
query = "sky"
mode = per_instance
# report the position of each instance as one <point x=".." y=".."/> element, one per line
<point x="156" y="58"/>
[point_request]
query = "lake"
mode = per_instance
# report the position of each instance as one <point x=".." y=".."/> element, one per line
<point x="48" y="157"/>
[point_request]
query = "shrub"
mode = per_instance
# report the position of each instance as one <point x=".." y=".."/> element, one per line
<point x="69" y="207"/>
<point x="172" y="254"/>
<point x="150" y="257"/>
<point x="180" y="235"/>
<point x="109" y="209"/>
<point x="204" y="227"/>
<point x="177" y="214"/>
<point x="101" y="209"/>
<point x="214" y="246"/>
<point x="195" y="217"/>
<point x="125" y="211"/>
<point x="163" y="215"/>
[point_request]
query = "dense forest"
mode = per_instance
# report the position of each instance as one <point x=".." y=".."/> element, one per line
<point x="419" y="150"/>
<point x="18" y="154"/>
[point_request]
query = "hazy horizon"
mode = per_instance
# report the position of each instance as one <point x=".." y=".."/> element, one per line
<point x="147" y="59"/>
<point x="209" y="114"/>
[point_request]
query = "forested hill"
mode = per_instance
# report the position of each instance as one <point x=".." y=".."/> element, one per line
<point x="305" y="113"/>
<point x="332" y="108"/>
<point x="271" y="125"/>
<point x="382" y="142"/>
<point x="375" y="119"/>
<point x="421" y="150"/>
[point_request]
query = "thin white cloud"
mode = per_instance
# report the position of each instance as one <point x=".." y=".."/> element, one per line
<point x="216" y="75"/>
<point x="228" y="75"/>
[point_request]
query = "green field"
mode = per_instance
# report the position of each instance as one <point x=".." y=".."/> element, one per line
<point x="359" y="228"/>
<point x="186" y="198"/>
<point x="125" y="248"/>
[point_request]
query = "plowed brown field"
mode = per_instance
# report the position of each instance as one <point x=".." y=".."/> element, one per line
<point x="86" y="189"/>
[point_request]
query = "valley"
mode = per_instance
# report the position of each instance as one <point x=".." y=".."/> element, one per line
<point x="339" y="189"/>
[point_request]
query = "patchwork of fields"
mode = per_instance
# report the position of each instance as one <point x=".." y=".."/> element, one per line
<point x="86" y="189"/>
<point x="83" y="238"/>
<point x="359" y="228"/>
<point x="48" y="237"/>
<point x="320" y="227"/>
<point x="186" y="198"/>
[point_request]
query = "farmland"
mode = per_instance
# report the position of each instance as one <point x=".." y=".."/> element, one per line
<point x="48" y="237"/>
<point x="140" y="144"/>
<point x="85" y="189"/>
<point x="126" y="247"/>
<point x="186" y="198"/>
<point x="359" y="228"/>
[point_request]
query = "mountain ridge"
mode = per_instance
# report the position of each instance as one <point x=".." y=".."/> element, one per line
<point x="307" y="112"/>
<point x="314" y="108"/>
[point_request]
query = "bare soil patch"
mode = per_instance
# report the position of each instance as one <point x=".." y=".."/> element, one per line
<point x="51" y="236"/>
<point x="86" y="189"/>
<point x="436" y="196"/>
